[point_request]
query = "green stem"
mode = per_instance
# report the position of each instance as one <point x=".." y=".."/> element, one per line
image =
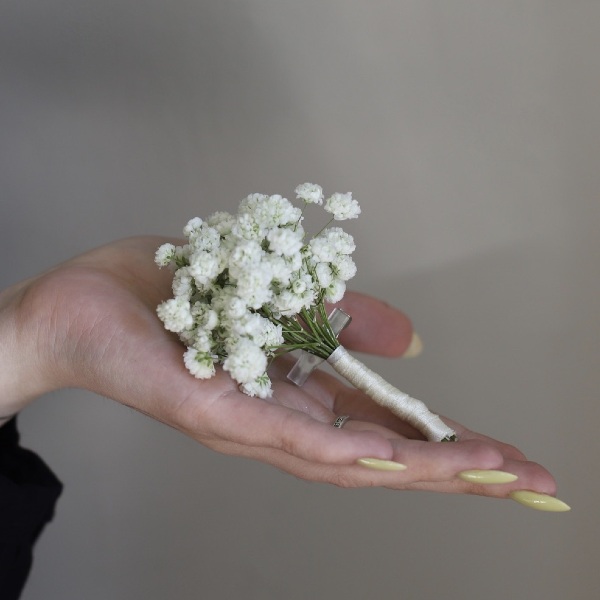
<point x="316" y="336"/>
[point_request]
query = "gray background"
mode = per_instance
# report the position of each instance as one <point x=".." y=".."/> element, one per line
<point x="469" y="131"/>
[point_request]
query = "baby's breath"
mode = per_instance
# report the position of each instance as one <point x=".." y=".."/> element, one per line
<point x="250" y="286"/>
<point x="342" y="206"/>
<point x="311" y="193"/>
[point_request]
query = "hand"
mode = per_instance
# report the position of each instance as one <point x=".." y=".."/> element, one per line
<point x="91" y="323"/>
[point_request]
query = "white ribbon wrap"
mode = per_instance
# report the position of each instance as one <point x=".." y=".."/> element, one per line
<point x="409" y="409"/>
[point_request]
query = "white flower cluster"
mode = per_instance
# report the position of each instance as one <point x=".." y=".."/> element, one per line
<point x="240" y="275"/>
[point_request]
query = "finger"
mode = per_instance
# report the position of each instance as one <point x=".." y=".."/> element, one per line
<point x="356" y="425"/>
<point x="252" y="422"/>
<point x="376" y="327"/>
<point x="531" y="476"/>
<point x="508" y="450"/>
<point x="437" y="462"/>
<point x="435" y="467"/>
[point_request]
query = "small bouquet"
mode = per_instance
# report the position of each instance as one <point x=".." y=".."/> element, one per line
<point x="251" y="286"/>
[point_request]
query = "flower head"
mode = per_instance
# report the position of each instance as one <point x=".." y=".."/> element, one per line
<point x="342" y="206"/>
<point x="285" y="242"/>
<point x="246" y="361"/>
<point x="199" y="364"/>
<point x="260" y="387"/>
<point x="164" y="255"/>
<point x="176" y="314"/>
<point x="311" y="193"/>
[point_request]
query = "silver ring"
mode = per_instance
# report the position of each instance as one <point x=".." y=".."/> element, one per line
<point x="340" y="421"/>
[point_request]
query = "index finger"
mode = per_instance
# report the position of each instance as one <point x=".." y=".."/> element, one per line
<point x="376" y="328"/>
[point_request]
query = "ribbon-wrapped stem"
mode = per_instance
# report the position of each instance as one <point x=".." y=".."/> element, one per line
<point x="409" y="409"/>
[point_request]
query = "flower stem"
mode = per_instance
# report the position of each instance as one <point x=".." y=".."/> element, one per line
<point x="409" y="409"/>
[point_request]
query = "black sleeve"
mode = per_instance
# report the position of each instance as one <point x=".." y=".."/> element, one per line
<point x="28" y="493"/>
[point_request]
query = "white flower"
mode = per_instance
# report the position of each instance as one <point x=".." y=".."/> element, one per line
<point x="247" y="254"/>
<point x="302" y="284"/>
<point x="176" y="314"/>
<point x="320" y="249"/>
<point x="182" y="255"/>
<point x="280" y="268"/>
<point x="201" y="341"/>
<point x="335" y="292"/>
<point x="329" y="244"/>
<point x="188" y="337"/>
<point x="343" y="267"/>
<point x="205" y="238"/>
<point x="239" y="275"/>
<point x="340" y="241"/>
<point x="204" y="316"/>
<point x="193" y="225"/>
<point x="233" y="307"/>
<point x="254" y="286"/>
<point x="271" y="336"/>
<point x="250" y="325"/>
<point x="222" y="222"/>
<point x="199" y="364"/>
<point x="183" y="283"/>
<point x="279" y="211"/>
<point x="164" y="255"/>
<point x="286" y="242"/>
<point x="299" y="286"/>
<point x="311" y="193"/>
<point x="204" y="267"/>
<point x="250" y="202"/>
<point x="260" y="387"/>
<point x="248" y="227"/>
<point x="342" y="206"/>
<point x="294" y="262"/>
<point x="270" y="211"/>
<point x="260" y="330"/>
<point x="324" y="274"/>
<point x="246" y="361"/>
<point x="288" y="303"/>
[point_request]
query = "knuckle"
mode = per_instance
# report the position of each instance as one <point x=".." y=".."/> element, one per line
<point x="484" y="453"/>
<point x="343" y="479"/>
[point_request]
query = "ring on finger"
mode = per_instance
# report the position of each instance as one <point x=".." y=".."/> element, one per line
<point x="341" y="421"/>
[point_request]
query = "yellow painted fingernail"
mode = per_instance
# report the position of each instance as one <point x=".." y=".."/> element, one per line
<point x="539" y="501"/>
<point x="414" y="348"/>
<point x="380" y="465"/>
<point x="486" y="476"/>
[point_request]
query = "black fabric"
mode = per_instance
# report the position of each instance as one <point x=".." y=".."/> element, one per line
<point x="28" y="494"/>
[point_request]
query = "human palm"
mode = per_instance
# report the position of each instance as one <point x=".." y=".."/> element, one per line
<point x="96" y="328"/>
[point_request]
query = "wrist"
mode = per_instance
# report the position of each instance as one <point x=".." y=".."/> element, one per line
<point x="24" y="368"/>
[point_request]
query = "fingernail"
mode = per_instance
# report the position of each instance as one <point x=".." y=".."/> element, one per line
<point x="487" y="476"/>
<point x="539" y="501"/>
<point x="414" y="348"/>
<point x="380" y="465"/>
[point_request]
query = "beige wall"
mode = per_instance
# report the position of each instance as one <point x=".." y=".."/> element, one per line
<point x="470" y="133"/>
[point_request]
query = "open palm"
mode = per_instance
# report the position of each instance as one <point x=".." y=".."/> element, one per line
<point x="93" y="325"/>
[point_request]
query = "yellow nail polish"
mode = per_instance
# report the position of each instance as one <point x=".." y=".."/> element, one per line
<point x="487" y="476"/>
<point x="539" y="501"/>
<point x="381" y="465"/>
<point x="414" y="348"/>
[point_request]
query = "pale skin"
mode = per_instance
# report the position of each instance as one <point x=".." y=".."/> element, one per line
<point x="91" y="323"/>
